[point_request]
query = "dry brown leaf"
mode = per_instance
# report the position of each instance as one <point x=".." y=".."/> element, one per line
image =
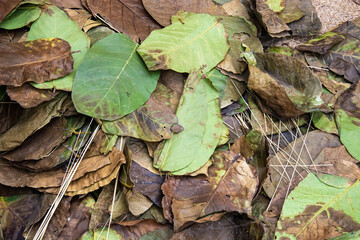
<point x="162" y="10"/>
<point x="230" y="186"/>
<point x="28" y="96"/>
<point x="127" y="16"/>
<point x="137" y="202"/>
<point x="38" y="61"/>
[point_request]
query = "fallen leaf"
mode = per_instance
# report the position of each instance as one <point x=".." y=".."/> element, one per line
<point x="321" y="44"/>
<point x="122" y="70"/>
<point x="6" y="8"/>
<point x="159" y="234"/>
<point x="200" y="137"/>
<point x="28" y="96"/>
<point x="28" y="61"/>
<point x="151" y="122"/>
<point x="230" y="186"/>
<point x="67" y="3"/>
<point x="78" y="219"/>
<point x="162" y="10"/>
<point x="30" y="121"/>
<point x="137" y="202"/>
<point x="276" y="80"/>
<point x="132" y="18"/>
<point x="273" y="24"/>
<point x="276" y="5"/>
<point x="348" y="119"/>
<point x="313" y="210"/>
<point x="325" y="122"/>
<point x="53" y="22"/>
<point x="100" y="214"/>
<point x="20" y="212"/>
<point x="9" y="114"/>
<point x="236" y="8"/>
<point x="169" y="48"/>
<point x="21" y="16"/>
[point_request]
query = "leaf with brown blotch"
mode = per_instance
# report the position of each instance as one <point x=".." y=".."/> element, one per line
<point x="230" y="186"/>
<point x="126" y="16"/>
<point x="28" y="96"/>
<point x="42" y="143"/>
<point x="331" y="160"/>
<point x="285" y="84"/>
<point x="19" y="212"/>
<point x="37" y="61"/>
<point x="315" y="141"/>
<point x="162" y="10"/>
<point x="91" y="180"/>
<point x="6" y="7"/>
<point x="273" y="24"/>
<point x="146" y="182"/>
<point x="30" y="121"/>
<point x="151" y="122"/>
<point x="78" y="219"/>
<point x="56" y="223"/>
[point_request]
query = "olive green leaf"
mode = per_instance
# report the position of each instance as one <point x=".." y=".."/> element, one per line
<point x="112" y="81"/>
<point x="198" y="42"/>
<point x="21" y="16"/>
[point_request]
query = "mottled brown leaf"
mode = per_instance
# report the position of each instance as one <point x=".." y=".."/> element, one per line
<point x="321" y="44"/>
<point x="37" y="61"/>
<point x="127" y="16"/>
<point x="100" y="213"/>
<point x="230" y="186"/>
<point x="28" y="96"/>
<point x="162" y="10"/>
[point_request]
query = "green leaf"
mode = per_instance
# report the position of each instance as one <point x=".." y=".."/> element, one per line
<point x="197" y="43"/>
<point x="55" y="23"/>
<point x="276" y="5"/>
<point x="325" y="122"/>
<point x="349" y="236"/>
<point x="112" y="81"/>
<point x="21" y="17"/>
<point x="199" y="114"/>
<point x="349" y="130"/>
<point x="319" y="208"/>
<point x="101" y="234"/>
<point x="159" y="234"/>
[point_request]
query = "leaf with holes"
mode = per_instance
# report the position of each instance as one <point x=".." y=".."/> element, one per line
<point x="197" y="43"/>
<point x="112" y="81"/>
<point x="320" y="208"/>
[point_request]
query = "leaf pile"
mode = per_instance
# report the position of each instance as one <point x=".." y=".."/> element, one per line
<point x="142" y="119"/>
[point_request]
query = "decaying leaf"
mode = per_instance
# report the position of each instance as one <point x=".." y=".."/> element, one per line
<point x="100" y="214"/>
<point x="38" y="61"/>
<point x="28" y="96"/>
<point x="30" y="121"/>
<point x="162" y="10"/>
<point x="319" y="208"/>
<point x="199" y="114"/>
<point x="151" y="122"/>
<point x="230" y="186"/>
<point x="52" y="23"/>
<point x="285" y="84"/>
<point x="131" y="18"/>
<point x="121" y="70"/>
<point x="201" y="35"/>
<point x="136" y="201"/>
<point x="321" y="44"/>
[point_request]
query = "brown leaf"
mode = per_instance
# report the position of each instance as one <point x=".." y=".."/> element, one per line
<point x="6" y="7"/>
<point x="322" y="45"/>
<point x="137" y="202"/>
<point x="78" y="220"/>
<point x="228" y="227"/>
<point x="230" y="186"/>
<point x="100" y="213"/>
<point x="20" y="212"/>
<point x="56" y="224"/>
<point x="315" y="141"/>
<point x="38" y="61"/>
<point x="162" y="10"/>
<point x="67" y="3"/>
<point x="30" y="121"/>
<point x="9" y="114"/>
<point x="127" y="16"/>
<point x="28" y="96"/>
<point x="41" y="143"/>
<point x="146" y="182"/>
<point x="273" y="24"/>
<point x="92" y="180"/>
